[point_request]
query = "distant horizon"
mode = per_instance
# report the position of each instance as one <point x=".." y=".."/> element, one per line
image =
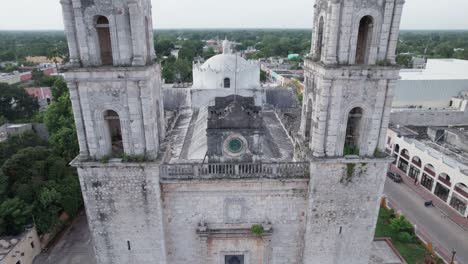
<point x="46" y="15"/>
<point x="220" y="29"/>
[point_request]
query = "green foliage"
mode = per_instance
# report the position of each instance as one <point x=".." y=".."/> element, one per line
<point x="257" y="230"/>
<point x="413" y="251"/>
<point x="16" y="142"/>
<point x="133" y="158"/>
<point x="350" y="170"/>
<point x="16" y="104"/>
<point x="404" y="237"/>
<point x="16" y="45"/>
<point x="406" y="61"/>
<point x="60" y="122"/>
<point x="400" y="225"/>
<point x="350" y="150"/>
<point x="14" y="215"/>
<point x="105" y="159"/>
<point x="44" y="182"/>
<point x="263" y="76"/>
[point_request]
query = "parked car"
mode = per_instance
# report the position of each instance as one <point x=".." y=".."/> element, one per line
<point x="394" y="176"/>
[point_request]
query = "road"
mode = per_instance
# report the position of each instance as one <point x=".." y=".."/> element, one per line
<point x="430" y="221"/>
<point x="75" y="247"/>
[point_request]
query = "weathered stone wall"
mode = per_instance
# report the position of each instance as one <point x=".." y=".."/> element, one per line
<point x="234" y="204"/>
<point x="134" y="93"/>
<point x="123" y="205"/>
<point x="342" y="211"/>
<point x="281" y="98"/>
<point x="130" y="26"/>
<point x="332" y="92"/>
<point x="176" y="98"/>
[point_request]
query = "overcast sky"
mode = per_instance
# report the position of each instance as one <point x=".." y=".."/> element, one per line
<point x="418" y="14"/>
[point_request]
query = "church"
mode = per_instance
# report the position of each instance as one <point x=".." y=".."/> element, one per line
<point x="227" y="171"/>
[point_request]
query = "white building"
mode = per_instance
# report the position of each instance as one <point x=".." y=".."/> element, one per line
<point x="226" y="70"/>
<point x="437" y="158"/>
<point x="433" y="86"/>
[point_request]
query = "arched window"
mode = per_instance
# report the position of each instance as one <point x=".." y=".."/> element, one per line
<point x="227" y="83"/>
<point x="319" y="44"/>
<point x="114" y="132"/>
<point x="364" y="40"/>
<point x="405" y="154"/>
<point x="397" y="148"/>
<point x="416" y="161"/>
<point x="430" y="170"/>
<point x="104" y="37"/>
<point x="308" y="117"/>
<point x="353" y="130"/>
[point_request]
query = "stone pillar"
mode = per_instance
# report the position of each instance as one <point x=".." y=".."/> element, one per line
<point x="150" y="131"/>
<point x="386" y="114"/>
<point x="69" y="22"/>
<point x="81" y="34"/>
<point x="318" y="136"/>
<point x="77" y="112"/>
<point x="395" y="30"/>
<point x="137" y="25"/>
<point x="334" y="31"/>
<point x="385" y="31"/>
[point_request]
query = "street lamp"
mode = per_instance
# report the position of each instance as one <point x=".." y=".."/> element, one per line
<point x="453" y="256"/>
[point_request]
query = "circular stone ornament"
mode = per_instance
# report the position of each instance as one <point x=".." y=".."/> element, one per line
<point x="235" y="145"/>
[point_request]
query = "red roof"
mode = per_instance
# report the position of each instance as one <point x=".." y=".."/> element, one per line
<point x="41" y="93"/>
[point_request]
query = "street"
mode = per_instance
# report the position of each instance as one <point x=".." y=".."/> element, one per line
<point x="429" y="220"/>
<point x="75" y="247"/>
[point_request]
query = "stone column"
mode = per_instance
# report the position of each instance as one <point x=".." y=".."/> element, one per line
<point x="150" y="131"/>
<point x="318" y="136"/>
<point x="69" y="22"/>
<point x="137" y="26"/>
<point x="77" y="112"/>
<point x="81" y="35"/>
<point x="395" y="30"/>
<point x="385" y="31"/>
<point x="334" y="30"/>
<point x="387" y="109"/>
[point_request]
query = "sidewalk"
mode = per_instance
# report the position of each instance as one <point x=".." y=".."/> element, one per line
<point x="438" y="203"/>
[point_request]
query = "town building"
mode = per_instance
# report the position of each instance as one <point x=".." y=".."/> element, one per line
<point x="21" y="249"/>
<point x="436" y="158"/>
<point x="226" y="173"/>
<point x="432" y="86"/>
<point x="42" y="94"/>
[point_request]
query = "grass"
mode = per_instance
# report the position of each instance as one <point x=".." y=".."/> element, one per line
<point x="413" y="252"/>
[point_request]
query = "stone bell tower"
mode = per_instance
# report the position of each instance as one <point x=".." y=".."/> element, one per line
<point x="116" y="93"/>
<point x="115" y="84"/>
<point x="350" y="77"/>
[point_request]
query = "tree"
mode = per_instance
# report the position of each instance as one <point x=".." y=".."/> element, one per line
<point x="263" y="76"/>
<point x="37" y="75"/>
<point x="16" y="104"/>
<point x="14" y="215"/>
<point x="404" y="60"/>
<point x="60" y="122"/>
<point x="400" y="225"/>
<point x="209" y="53"/>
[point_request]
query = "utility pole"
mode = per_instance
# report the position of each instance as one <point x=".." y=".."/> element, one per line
<point x="453" y="257"/>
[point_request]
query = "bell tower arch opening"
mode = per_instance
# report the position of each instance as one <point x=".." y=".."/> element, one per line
<point x="364" y="40"/>
<point x="353" y="131"/>
<point x="114" y="133"/>
<point x="104" y="40"/>
<point x="319" y="44"/>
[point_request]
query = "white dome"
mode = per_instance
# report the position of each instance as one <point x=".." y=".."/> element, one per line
<point x="226" y="70"/>
<point x="226" y="62"/>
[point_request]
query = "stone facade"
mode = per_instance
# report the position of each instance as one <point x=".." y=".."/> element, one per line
<point x="151" y="203"/>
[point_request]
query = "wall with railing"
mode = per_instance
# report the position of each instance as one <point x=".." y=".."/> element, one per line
<point x="234" y="170"/>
